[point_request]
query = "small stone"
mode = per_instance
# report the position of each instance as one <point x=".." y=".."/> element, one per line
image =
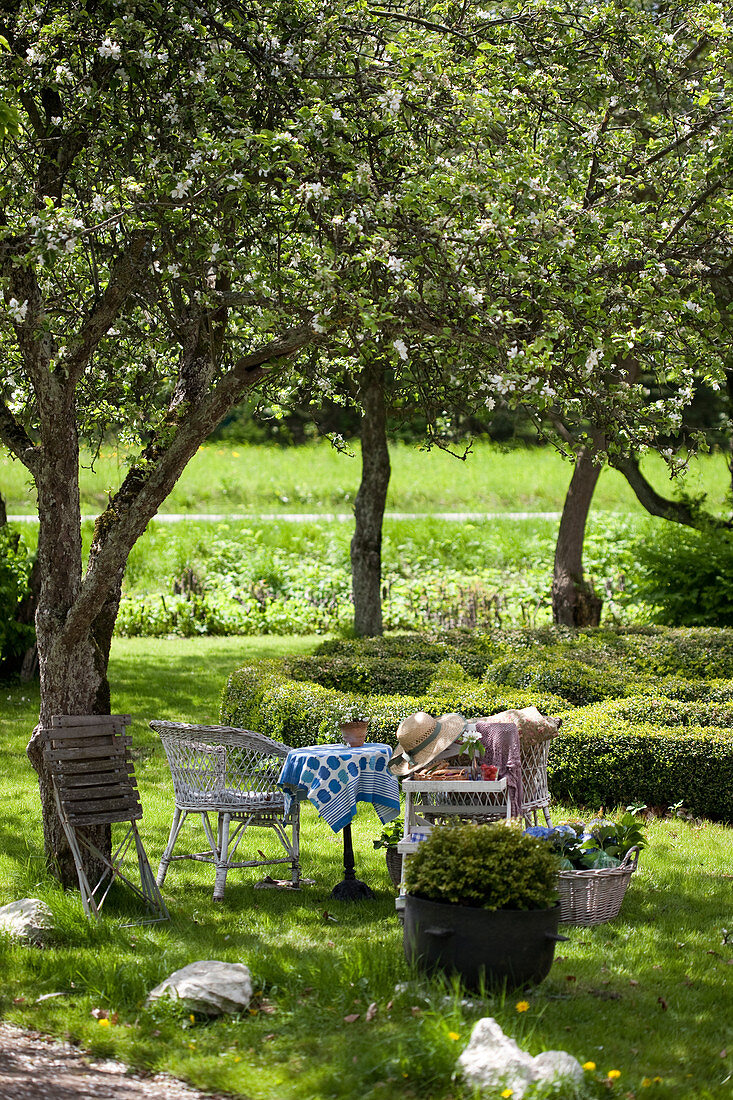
<point x="29" y="919"/>
<point x="208" y="986"/>
<point x="558" y="1064"/>
<point x="493" y="1059"/>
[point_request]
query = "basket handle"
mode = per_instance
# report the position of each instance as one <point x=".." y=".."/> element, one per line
<point x="631" y="858"/>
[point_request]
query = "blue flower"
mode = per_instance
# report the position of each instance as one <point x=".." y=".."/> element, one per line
<point x="542" y="832"/>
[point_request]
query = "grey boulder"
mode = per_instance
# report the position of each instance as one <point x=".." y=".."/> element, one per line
<point x="493" y="1059"/>
<point x="29" y="919"/>
<point x="209" y="986"/>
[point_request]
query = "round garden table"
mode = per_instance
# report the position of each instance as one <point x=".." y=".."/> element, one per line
<point x="334" y="778"/>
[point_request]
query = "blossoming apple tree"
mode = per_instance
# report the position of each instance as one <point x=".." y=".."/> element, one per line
<point x="205" y="198"/>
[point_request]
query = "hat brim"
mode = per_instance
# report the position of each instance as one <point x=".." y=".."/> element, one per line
<point x="449" y="728"/>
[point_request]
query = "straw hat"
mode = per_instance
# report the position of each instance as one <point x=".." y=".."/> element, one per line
<point x="422" y="738"/>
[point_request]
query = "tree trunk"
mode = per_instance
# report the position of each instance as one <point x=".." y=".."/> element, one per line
<point x="366" y="545"/>
<point x="73" y="671"/>
<point x="574" y="603"/>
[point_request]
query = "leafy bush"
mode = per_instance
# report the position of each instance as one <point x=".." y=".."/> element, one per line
<point x="376" y="674"/>
<point x="15" y="570"/>
<point x="577" y="682"/>
<point x="686" y="575"/>
<point x="487" y="867"/>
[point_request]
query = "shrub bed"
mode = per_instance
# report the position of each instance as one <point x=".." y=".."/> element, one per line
<point x="657" y="766"/>
<point x="628" y="735"/>
<point x="265" y="698"/>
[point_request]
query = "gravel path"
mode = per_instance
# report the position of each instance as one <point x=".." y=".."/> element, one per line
<point x="35" y="1067"/>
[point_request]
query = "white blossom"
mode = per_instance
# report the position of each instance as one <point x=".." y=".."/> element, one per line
<point x="395" y="264"/>
<point x="400" y="347"/>
<point x="475" y="296"/>
<point x="390" y="101"/>
<point x="181" y="189"/>
<point x="17" y="310"/>
<point x="109" y="49"/>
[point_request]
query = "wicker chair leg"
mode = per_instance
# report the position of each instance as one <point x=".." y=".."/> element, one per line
<point x="547" y="816"/>
<point x="179" y="817"/>
<point x="295" y="847"/>
<point x="222" y="865"/>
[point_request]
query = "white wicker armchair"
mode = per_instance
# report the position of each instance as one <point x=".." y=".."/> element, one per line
<point x="231" y="773"/>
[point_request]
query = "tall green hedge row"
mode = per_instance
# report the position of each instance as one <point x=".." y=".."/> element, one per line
<point x="647" y="712"/>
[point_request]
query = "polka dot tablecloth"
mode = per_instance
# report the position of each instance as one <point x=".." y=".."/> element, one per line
<point x="335" y="777"/>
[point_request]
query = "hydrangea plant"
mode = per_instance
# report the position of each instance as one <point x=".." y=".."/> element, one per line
<point x="593" y="846"/>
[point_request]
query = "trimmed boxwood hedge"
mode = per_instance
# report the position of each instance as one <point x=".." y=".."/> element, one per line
<point x="265" y="698"/>
<point x="658" y="767"/>
<point x="648" y="712"/>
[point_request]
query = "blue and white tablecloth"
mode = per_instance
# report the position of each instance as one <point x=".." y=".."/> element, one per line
<point x="335" y="777"/>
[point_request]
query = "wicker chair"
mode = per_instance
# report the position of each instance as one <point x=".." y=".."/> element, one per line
<point x="231" y="773"/>
<point x="536" y="792"/>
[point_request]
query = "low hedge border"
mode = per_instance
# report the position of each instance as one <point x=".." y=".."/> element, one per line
<point x="263" y="697"/>
<point x="691" y="653"/>
<point x="658" y="767"/>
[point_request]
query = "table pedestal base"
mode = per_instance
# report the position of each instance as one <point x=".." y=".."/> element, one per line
<point x="352" y="888"/>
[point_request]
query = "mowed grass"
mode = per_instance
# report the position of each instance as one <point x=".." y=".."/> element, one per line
<point x="316" y="478"/>
<point x="648" y="995"/>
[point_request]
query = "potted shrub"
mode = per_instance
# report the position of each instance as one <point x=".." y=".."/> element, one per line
<point x="597" y="861"/>
<point x="388" y="839"/>
<point x="482" y="901"/>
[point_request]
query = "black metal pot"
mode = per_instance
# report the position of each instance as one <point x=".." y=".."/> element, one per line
<point x="512" y="946"/>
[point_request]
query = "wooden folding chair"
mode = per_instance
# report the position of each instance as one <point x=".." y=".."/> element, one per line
<point x="88" y="758"/>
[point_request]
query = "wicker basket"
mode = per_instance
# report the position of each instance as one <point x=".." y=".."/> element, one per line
<point x="594" y="897"/>
<point x="394" y="865"/>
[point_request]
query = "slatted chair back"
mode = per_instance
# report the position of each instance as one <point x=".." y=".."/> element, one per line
<point x="93" y="775"/>
<point x="233" y="774"/>
<point x="92" y="769"/>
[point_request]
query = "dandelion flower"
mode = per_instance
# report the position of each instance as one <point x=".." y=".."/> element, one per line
<point x="507" y="1093"/>
<point x="613" y="1074"/>
<point x="657" y="1080"/>
<point x="103" y="1023"/>
<point x="590" y="1066"/>
<point x="646" y="1082"/>
<point x="453" y="1035"/>
<point x="522" y="1006"/>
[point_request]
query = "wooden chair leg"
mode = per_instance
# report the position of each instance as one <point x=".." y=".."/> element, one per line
<point x="179" y="816"/>
<point x="222" y="865"/>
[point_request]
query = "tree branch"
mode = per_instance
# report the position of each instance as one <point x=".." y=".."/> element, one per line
<point x="150" y="481"/>
<point x="674" y="510"/>
<point x="16" y="439"/>
<point x="121" y="281"/>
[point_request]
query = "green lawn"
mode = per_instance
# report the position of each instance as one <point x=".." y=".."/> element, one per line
<point x="647" y="995"/>
<point x="315" y="478"/>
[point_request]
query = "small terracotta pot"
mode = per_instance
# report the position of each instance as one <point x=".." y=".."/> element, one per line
<point x="354" y="733"/>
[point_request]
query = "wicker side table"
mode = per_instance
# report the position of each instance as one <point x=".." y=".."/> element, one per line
<point x="594" y="897"/>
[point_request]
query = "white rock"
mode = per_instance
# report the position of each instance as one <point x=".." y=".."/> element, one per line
<point x="493" y="1059"/>
<point x="554" y="1065"/>
<point x="28" y="919"/>
<point x="208" y="986"/>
